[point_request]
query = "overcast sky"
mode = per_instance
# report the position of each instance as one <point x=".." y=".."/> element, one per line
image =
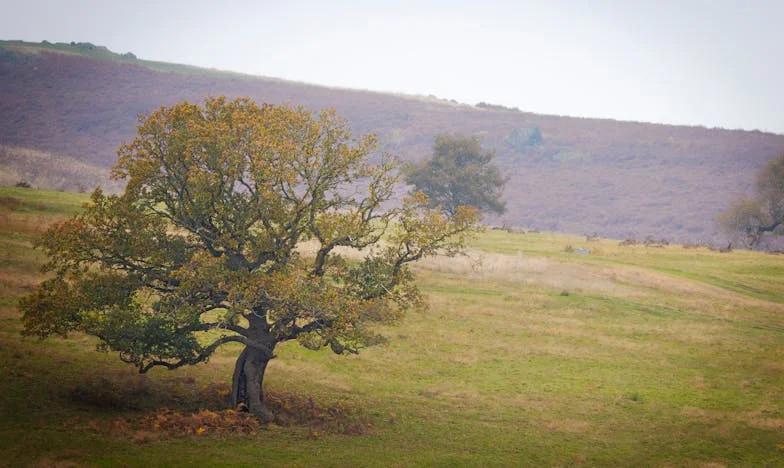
<point x="713" y="63"/>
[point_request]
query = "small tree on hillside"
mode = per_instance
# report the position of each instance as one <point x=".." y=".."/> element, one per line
<point x="205" y="245"/>
<point x="459" y="174"/>
<point x="764" y="214"/>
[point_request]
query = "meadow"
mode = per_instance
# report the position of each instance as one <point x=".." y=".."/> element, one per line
<point x="528" y="354"/>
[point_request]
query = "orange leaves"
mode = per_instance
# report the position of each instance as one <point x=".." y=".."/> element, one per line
<point x="167" y="423"/>
<point x="289" y="410"/>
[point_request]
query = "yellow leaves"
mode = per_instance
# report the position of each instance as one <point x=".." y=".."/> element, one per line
<point x="311" y="340"/>
<point x="425" y="230"/>
<point x="218" y="197"/>
<point x="242" y="177"/>
<point x="415" y="200"/>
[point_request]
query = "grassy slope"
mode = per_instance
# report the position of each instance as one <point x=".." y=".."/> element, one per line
<point x="52" y="171"/>
<point x="101" y="52"/>
<point x="527" y="354"/>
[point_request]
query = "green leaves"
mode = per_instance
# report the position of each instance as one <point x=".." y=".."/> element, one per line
<point x="62" y="304"/>
<point x="460" y="173"/>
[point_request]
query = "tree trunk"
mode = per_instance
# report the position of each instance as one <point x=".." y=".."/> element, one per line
<point x="247" y="383"/>
<point x="238" y="392"/>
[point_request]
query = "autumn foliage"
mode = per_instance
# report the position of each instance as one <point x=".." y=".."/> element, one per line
<point x="202" y="247"/>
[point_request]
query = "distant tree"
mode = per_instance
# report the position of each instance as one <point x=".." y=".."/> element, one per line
<point x="497" y="107"/>
<point x="459" y="174"/>
<point x="523" y="138"/>
<point x="204" y="247"/>
<point x="763" y="214"/>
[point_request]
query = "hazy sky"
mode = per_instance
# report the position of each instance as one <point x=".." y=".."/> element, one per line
<point x="713" y="63"/>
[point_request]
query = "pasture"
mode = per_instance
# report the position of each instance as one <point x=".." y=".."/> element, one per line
<point x="528" y="354"/>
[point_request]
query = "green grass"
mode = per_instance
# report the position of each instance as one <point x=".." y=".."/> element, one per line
<point x="745" y="272"/>
<point x="103" y="53"/>
<point x="629" y="356"/>
<point x="40" y="202"/>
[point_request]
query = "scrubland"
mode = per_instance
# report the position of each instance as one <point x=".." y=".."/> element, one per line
<point x="76" y="104"/>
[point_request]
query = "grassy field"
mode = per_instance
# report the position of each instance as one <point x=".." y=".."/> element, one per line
<point x="87" y="49"/>
<point x="52" y="171"/>
<point x="528" y="355"/>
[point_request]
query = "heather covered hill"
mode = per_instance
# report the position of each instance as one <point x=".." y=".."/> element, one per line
<point x="574" y="175"/>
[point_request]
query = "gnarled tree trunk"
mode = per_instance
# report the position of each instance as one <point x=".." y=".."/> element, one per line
<point x="247" y="381"/>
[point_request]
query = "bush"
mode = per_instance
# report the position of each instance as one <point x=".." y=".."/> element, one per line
<point x="521" y="138"/>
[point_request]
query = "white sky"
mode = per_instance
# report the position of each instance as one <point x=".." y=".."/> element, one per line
<point x="714" y="63"/>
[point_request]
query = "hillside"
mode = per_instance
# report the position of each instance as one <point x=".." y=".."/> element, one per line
<point x="534" y="356"/>
<point x="615" y="178"/>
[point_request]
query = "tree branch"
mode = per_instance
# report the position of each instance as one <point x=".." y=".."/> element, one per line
<point x="203" y="355"/>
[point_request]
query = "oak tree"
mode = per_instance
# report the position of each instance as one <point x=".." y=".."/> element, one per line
<point x="233" y="228"/>
<point x="459" y="173"/>
<point x="762" y="214"/>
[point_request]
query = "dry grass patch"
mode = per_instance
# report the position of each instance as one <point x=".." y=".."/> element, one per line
<point x="526" y="269"/>
<point x="775" y="424"/>
<point x="764" y="418"/>
<point x="571" y="426"/>
<point x="681" y="331"/>
<point x="28" y="225"/>
<point x="694" y="413"/>
<point x="699" y="382"/>
<point x="52" y="171"/>
<point x="559" y="349"/>
<point x="464" y="358"/>
<point x="776" y="366"/>
<point x="15" y="280"/>
<point x="532" y="402"/>
<point x="646" y="347"/>
<point x="547" y="329"/>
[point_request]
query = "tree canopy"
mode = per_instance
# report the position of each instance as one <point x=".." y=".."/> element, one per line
<point x="234" y="227"/>
<point x="459" y="174"/>
<point x="754" y="217"/>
